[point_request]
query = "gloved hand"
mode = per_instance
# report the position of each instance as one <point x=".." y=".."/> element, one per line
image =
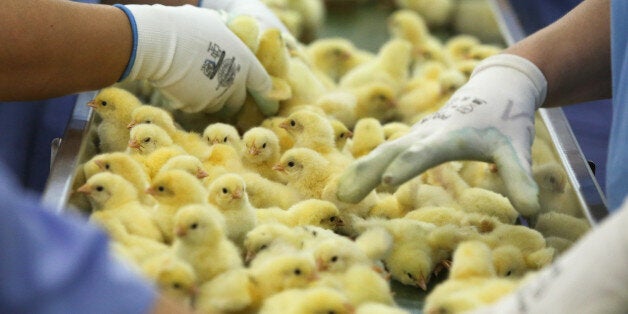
<point x="591" y="277"/>
<point x="490" y="118"/>
<point x="193" y="59"/>
<point x="254" y="8"/>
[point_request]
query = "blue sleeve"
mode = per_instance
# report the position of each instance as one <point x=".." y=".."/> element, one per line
<point x="60" y="264"/>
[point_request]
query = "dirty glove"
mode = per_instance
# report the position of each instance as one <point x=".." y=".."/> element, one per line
<point x="591" y="277"/>
<point x="490" y="118"/>
<point x="192" y="58"/>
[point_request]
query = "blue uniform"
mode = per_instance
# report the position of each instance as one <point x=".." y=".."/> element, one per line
<point x="617" y="178"/>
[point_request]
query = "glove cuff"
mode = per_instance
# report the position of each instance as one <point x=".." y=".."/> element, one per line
<point x="526" y="67"/>
<point x="131" y="18"/>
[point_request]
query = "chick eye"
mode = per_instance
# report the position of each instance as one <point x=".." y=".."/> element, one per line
<point x="107" y="166"/>
<point x="146" y="140"/>
<point x="264" y="145"/>
<point x="176" y="285"/>
<point x="263" y="247"/>
<point x="381" y="98"/>
<point x="103" y="103"/>
<point x="148" y="122"/>
<point x="293" y="123"/>
<point x="194" y="226"/>
<point x="100" y="188"/>
<point x="509" y="273"/>
<point x="334" y="258"/>
<point x="342" y="135"/>
<point x="225" y="191"/>
<point x="410" y="276"/>
<point x="297" y="271"/>
<point x="314" y="233"/>
<point x="331" y="312"/>
<point x="291" y="164"/>
<point x="161" y="188"/>
<point x="332" y="219"/>
<point x="225" y="140"/>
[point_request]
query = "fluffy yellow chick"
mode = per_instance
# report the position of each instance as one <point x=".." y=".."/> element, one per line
<point x="223" y="133"/>
<point x="115" y="201"/>
<point x="338" y="254"/>
<point x="173" y="276"/>
<point x="459" y="47"/>
<point x="509" y="262"/>
<point x="265" y="193"/>
<point x="282" y="272"/>
<point x="191" y="142"/>
<point x="483" y="175"/>
<point x="306" y="171"/>
<point x="390" y="67"/>
<point x="375" y="100"/>
<point x="201" y="241"/>
<point x="472" y="259"/>
<point x="114" y="105"/>
<point x="315" y="300"/>
<point x="393" y="130"/>
<point x="286" y="141"/>
<point x="387" y="207"/>
<point x="558" y="244"/>
<point x="335" y="56"/>
<point x="174" y="189"/>
<point x="151" y="145"/>
<point x="562" y="226"/>
<point x="225" y="156"/>
<point x="187" y="163"/>
<point x="306" y="86"/>
<point x="265" y="236"/>
<point x="447" y="176"/>
<point x="124" y="165"/>
<point x="529" y="241"/>
<point x="341" y="133"/>
<point x="247" y="28"/>
<point x="262" y="152"/>
<point x="368" y="134"/>
<point x="409" y="25"/>
<point x="339" y="105"/>
<point x="555" y="192"/>
<point x="488" y="203"/>
<point x="274" y="56"/>
<point x="417" y="102"/>
<point x="361" y="284"/>
<point x="228" y="194"/>
<point x="436" y="13"/>
<point x="312" y="212"/>
<point x="437" y="215"/>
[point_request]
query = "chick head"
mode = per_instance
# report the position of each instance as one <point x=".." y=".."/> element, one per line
<point x="107" y="189"/>
<point x="472" y="259"/>
<point x="264" y="236"/>
<point x="450" y="80"/>
<point x="459" y="47"/>
<point x="409" y="25"/>
<point x="376" y="100"/>
<point x="324" y="300"/>
<point x="114" y="103"/>
<point x="550" y="177"/>
<point x="227" y="190"/>
<point x="410" y="266"/>
<point x="337" y="255"/>
<point x="341" y="133"/>
<point x="317" y="212"/>
<point x="176" y="278"/>
<point x="304" y="121"/>
<point x="187" y="163"/>
<point x="509" y="261"/>
<point x="261" y="144"/>
<point x="221" y="133"/>
<point x="152" y="115"/>
<point x="284" y="272"/>
<point x="146" y="138"/>
<point x="177" y="188"/>
<point x="199" y="224"/>
<point x="298" y="163"/>
<point x="117" y="162"/>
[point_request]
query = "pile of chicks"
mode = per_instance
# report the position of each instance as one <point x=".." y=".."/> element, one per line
<point x="242" y="216"/>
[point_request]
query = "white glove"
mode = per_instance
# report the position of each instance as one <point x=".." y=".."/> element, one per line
<point x="192" y="58"/>
<point x="591" y="277"/>
<point x="490" y="118"/>
<point x="254" y="8"/>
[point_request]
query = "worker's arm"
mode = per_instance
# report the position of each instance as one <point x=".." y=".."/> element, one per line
<point x="574" y="54"/>
<point x="50" y="48"/>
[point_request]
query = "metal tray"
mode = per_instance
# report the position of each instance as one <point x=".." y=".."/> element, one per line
<point x="367" y="28"/>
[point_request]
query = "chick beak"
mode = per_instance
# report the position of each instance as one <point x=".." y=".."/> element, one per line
<point x="85" y="188"/>
<point x="237" y="194"/>
<point x="279" y="167"/>
<point x="254" y="151"/>
<point x="180" y="232"/>
<point x="421" y="282"/>
<point x="150" y="191"/>
<point x="134" y="144"/>
<point x="100" y="164"/>
<point x="492" y="168"/>
<point x="391" y="104"/>
<point x="250" y="255"/>
<point x="285" y="124"/>
<point x="131" y="124"/>
<point x="193" y="291"/>
<point x="92" y="104"/>
<point x="216" y="141"/>
<point x="349" y="134"/>
<point x="339" y="222"/>
<point x="350" y="308"/>
<point x="320" y="264"/>
<point x="200" y="173"/>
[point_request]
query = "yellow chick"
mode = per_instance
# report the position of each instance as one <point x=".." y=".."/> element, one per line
<point x="458" y="48"/>
<point x="173" y="276"/>
<point x="387" y="207"/>
<point x="338" y="254"/>
<point x="483" y="175"/>
<point x="224" y="156"/>
<point x="509" y="262"/>
<point x="375" y="100"/>
<point x="472" y="259"/>
<point x="228" y="194"/>
<point x="436" y="13"/>
<point x="559" y="244"/>
<point x="265" y="193"/>
<point x="562" y="226"/>
<point x="339" y="105"/>
<point x="286" y="141"/>
<point x="306" y="171"/>
<point x="265" y="236"/>
<point x="341" y="133"/>
<point x="124" y="165"/>
<point x="335" y="56"/>
<point x="315" y="300"/>
<point x="191" y="142"/>
<point x="151" y="145"/>
<point x="361" y="284"/>
<point x="187" y="163"/>
<point x="274" y="56"/>
<point x="394" y="130"/>
<point x="262" y="152"/>
<point x="488" y="203"/>
<point x="174" y="189"/>
<point x="201" y="241"/>
<point x="114" y="105"/>
<point x="222" y="133"/>
<point x="114" y="201"/>
<point x="555" y="192"/>
<point x="311" y="212"/>
<point x="247" y="28"/>
<point x="529" y="241"/>
<point x="306" y="86"/>
<point x="419" y="101"/>
<point x="367" y="135"/>
<point x="437" y="215"/>
<point x="390" y="67"/>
